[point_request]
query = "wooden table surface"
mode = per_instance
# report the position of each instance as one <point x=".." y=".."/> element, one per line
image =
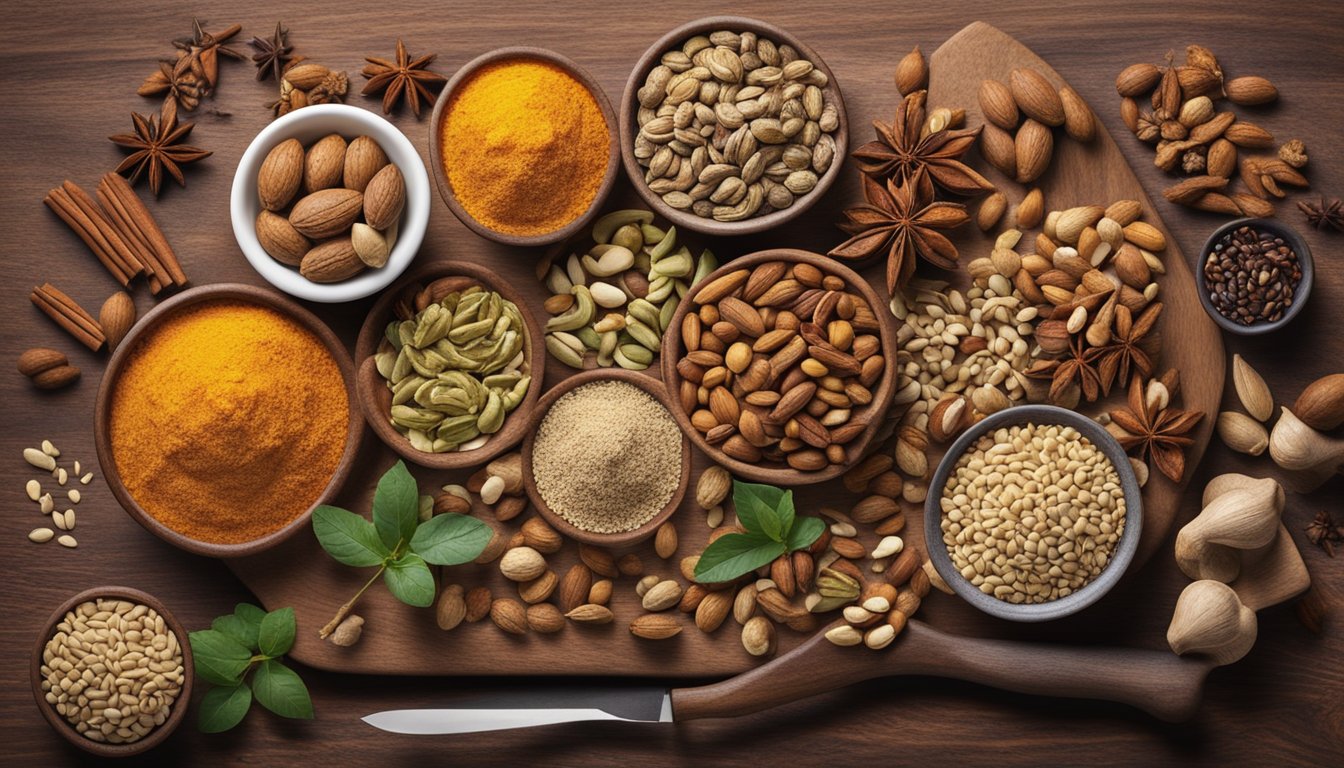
<point x="69" y="73"/>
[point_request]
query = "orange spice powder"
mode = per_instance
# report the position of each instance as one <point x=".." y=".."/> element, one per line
<point x="228" y="421"/>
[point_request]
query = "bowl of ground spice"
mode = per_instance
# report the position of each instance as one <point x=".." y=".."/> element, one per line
<point x="112" y="671"/>
<point x="224" y="417"/>
<point x="604" y="462"/>
<point x="1254" y="276"/>
<point x="523" y="144"/>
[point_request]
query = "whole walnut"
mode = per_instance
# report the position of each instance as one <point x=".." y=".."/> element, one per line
<point x="1193" y="162"/>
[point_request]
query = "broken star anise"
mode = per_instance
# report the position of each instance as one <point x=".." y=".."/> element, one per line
<point x="1126" y="350"/>
<point x="902" y="153"/>
<point x="204" y="49"/>
<point x="178" y="81"/>
<point x="1324" y="532"/>
<point x="1324" y="213"/>
<point x="405" y="78"/>
<point x="272" y="54"/>
<point x="895" y="220"/>
<point x="1079" y="367"/>
<point x="155" y="147"/>
<point x="1155" y="431"/>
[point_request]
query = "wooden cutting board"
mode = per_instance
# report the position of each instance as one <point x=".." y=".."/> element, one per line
<point x="402" y="640"/>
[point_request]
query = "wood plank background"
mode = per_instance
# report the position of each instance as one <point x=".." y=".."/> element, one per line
<point x="69" y="75"/>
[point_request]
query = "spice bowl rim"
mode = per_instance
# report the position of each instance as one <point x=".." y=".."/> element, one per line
<point x="320" y="120"/>
<point x="572" y="68"/>
<point x="180" y="705"/>
<point x="1089" y="593"/>
<point x="785" y="475"/>
<point x="375" y="400"/>
<point x="648" y="384"/>
<point x="1304" y="258"/>
<point x="756" y="224"/>
<point x="103" y="414"/>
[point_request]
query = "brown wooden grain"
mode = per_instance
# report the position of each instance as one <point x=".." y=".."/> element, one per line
<point x="70" y="76"/>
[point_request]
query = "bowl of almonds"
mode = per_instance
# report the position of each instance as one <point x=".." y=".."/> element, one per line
<point x="781" y="365"/>
<point x="330" y="203"/>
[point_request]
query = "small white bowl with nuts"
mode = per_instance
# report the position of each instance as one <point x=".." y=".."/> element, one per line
<point x="330" y="203"/>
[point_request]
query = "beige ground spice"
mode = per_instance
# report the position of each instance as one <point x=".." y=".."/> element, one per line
<point x="607" y="457"/>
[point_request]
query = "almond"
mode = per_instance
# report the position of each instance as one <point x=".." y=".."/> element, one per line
<point x="663" y="595"/>
<point x="722" y="287"/>
<point x="998" y="147"/>
<point x="1321" y="404"/>
<point x="665" y="541"/>
<point x="1079" y="121"/>
<point x="538" y="589"/>
<point x="280" y="175"/>
<point x="997" y="105"/>
<point x="991" y="211"/>
<point x="56" y="377"/>
<point x="116" y="317"/>
<point x="869" y="509"/>
<point x="1033" y="147"/>
<point x="1131" y="268"/>
<point x="761" y="278"/>
<point x="1251" y="389"/>
<point x="1208" y="131"/>
<point x="912" y="72"/>
<point x="326" y="213"/>
<point x="363" y="159"/>
<point x="306" y="75"/>
<point x="1193" y="188"/>
<point x="599" y="560"/>
<point x="1222" y="158"/>
<point x="545" y="618"/>
<point x="384" y="198"/>
<point x="1250" y="205"/>
<point x="743" y="316"/>
<point x="370" y="245"/>
<point x="1071" y="223"/>
<point x="1195" y="81"/>
<point x="478" y="604"/>
<point x="1242" y="434"/>
<point x="509" y="615"/>
<point x="1145" y="236"/>
<point x="758" y="636"/>
<point x="452" y="608"/>
<point x="713" y="610"/>
<point x="1250" y="90"/>
<point x="1036" y="97"/>
<point x="600" y="592"/>
<point x="1248" y="135"/>
<point x="655" y="626"/>
<point x="280" y="239"/>
<point x="324" y="164"/>
<point x="40" y="359"/>
<point x="1124" y="212"/>
<point x="1031" y="209"/>
<point x="522" y="564"/>
<point x="1137" y="79"/>
<point x="574" y="588"/>
<point x="331" y="261"/>
<point x="590" y="613"/>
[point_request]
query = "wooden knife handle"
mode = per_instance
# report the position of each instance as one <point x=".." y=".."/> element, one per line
<point x="1160" y="683"/>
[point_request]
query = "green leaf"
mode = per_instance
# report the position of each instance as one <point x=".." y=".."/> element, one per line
<point x="348" y="537"/>
<point x="251" y="617"/>
<point x="277" y="632"/>
<point x="804" y="532"/>
<point x="410" y="580"/>
<point x="759" y="508"/>
<point x="224" y="707"/>
<point x="220" y="659"/>
<point x="280" y="690"/>
<point x="734" y="554"/>
<point x="396" y="505"/>
<point x="237" y="629"/>
<point x="451" y="539"/>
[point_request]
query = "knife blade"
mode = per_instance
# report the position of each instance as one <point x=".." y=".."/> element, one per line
<point x="630" y="706"/>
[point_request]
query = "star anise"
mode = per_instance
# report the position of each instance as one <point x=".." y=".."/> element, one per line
<point x="896" y="221"/>
<point x="272" y="54"/>
<point x="205" y="48"/>
<point x="1324" y="532"/>
<point x="405" y="78"/>
<point x="1126" y="349"/>
<point x="1155" y="431"/>
<point x="155" y="147"/>
<point x="1079" y="367"/>
<point x="178" y="81"/>
<point x="1324" y="213"/>
<point x="901" y="152"/>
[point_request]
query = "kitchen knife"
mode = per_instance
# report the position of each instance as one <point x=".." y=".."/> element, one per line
<point x="1166" y="686"/>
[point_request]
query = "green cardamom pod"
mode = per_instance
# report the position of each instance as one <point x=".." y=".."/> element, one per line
<point x="643" y="334"/>
<point x="664" y="246"/>
<point x="514" y="397"/>
<point x="563" y="352"/>
<point x="605" y="227"/>
<point x="415" y="418"/>
<point x="708" y="263"/>
<point x="643" y="311"/>
<point x="652" y="234"/>
<point x="492" y="415"/>
<point x="590" y="337"/>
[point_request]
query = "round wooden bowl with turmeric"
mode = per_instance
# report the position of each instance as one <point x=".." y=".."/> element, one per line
<point x="225" y="416"/>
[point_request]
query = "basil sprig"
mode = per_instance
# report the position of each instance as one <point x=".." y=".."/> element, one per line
<point x="248" y="641"/>
<point x="773" y="529"/>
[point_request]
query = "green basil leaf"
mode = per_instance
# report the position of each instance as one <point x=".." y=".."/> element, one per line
<point x="410" y="580"/>
<point x="237" y="629"/>
<point x="224" y="707"/>
<point x="348" y="537"/>
<point x="251" y="616"/>
<point x="784" y="512"/>
<point x="804" y="532"/>
<point x="277" y="632"/>
<point x="451" y="539"/>
<point x="220" y="659"/>
<point x="396" y="505"/>
<point x="755" y="505"/>
<point x="735" y="554"/>
<point x="280" y="690"/>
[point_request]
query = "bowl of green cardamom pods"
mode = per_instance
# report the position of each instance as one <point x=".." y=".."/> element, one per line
<point x="449" y="366"/>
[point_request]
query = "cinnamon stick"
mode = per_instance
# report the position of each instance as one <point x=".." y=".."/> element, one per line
<point x="109" y="233"/>
<point x="125" y="224"/>
<point x="117" y="186"/>
<point x="61" y="204"/>
<point x="67" y="314"/>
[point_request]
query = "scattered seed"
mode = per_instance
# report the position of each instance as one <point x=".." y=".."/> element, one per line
<point x="891" y="545"/>
<point x="61" y="475"/>
<point x="74" y="495"/>
<point x="50" y="449"/>
<point x="34" y="490"/>
<point x="69" y="519"/>
<point x="40" y="535"/>
<point x="714" y="518"/>
<point x="86" y="479"/>
<point x="46" y="504"/>
<point x="58" y="520"/>
<point x="67" y="541"/>
<point x="76" y="472"/>
<point x="844" y="530"/>
<point x="39" y="459"/>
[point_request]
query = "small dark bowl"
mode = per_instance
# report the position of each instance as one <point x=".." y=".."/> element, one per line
<point x="630" y="110"/>
<point x="1293" y="239"/>
<point x="436" y="152"/>
<point x="102" y="416"/>
<point x="655" y="389"/>
<point x="63" y="726"/>
<point x="376" y="399"/>
<point x="1090" y="592"/>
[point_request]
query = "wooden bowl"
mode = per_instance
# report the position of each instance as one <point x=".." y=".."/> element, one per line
<point x="62" y="726"/>
<point x="654" y="388"/>
<point x="436" y="153"/>
<point x="784" y="475"/>
<point x="103" y="413"/>
<point x="1089" y="593"/>
<point x="630" y="109"/>
<point x="375" y="399"/>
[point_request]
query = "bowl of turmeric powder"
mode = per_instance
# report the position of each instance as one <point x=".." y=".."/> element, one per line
<point x="523" y="145"/>
<point x="224" y="417"/>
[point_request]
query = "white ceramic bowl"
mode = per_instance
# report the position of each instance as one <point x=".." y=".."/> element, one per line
<point x="308" y="125"/>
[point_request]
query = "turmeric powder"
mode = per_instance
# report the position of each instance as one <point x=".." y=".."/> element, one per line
<point x="228" y="421"/>
<point x="525" y="147"/>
